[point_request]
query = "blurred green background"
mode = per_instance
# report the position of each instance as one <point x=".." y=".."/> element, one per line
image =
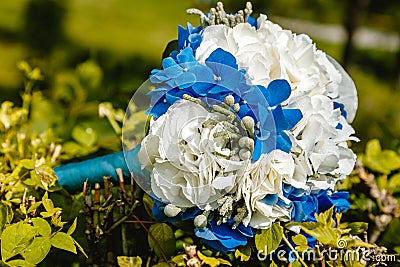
<point x="126" y="39"/>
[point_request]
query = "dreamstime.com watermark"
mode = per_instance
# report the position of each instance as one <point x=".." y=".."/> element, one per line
<point x="331" y="254"/>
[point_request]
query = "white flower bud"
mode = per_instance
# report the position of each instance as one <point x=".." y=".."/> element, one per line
<point x="244" y="154"/>
<point x="246" y="142"/>
<point x="200" y="221"/>
<point x="248" y="123"/>
<point x="236" y="107"/>
<point x="171" y="210"/>
<point x="229" y="100"/>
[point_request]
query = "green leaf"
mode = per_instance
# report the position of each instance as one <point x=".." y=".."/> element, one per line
<point x="63" y="241"/>
<point x="16" y="238"/>
<point x="85" y="136"/>
<point x="72" y="228"/>
<point x="326" y="218"/>
<point x="354" y="243"/>
<point x="164" y="236"/>
<point x="125" y="261"/>
<point x="37" y="250"/>
<point x="394" y="183"/>
<point x="355" y="227"/>
<point x="18" y="263"/>
<point x="213" y="262"/>
<point x="324" y="234"/>
<point x="79" y="247"/>
<point x="148" y="204"/>
<point x="301" y="242"/>
<point x="34" y="206"/>
<point x="180" y="260"/>
<point x="162" y="264"/>
<point x="269" y="239"/>
<point x="243" y="253"/>
<point x="43" y="227"/>
<point x="383" y="161"/>
<point x="3" y="216"/>
<point x="47" y="203"/>
<point x="273" y="264"/>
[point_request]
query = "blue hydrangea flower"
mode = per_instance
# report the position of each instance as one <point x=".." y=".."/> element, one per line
<point x="189" y="37"/>
<point x="305" y="206"/>
<point x="222" y="237"/>
<point x="216" y="237"/>
<point x="159" y="215"/>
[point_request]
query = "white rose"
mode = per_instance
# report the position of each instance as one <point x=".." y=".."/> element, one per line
<point x="188" y="165"/>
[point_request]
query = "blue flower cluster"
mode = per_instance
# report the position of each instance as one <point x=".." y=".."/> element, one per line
<point x="218" y="77"/>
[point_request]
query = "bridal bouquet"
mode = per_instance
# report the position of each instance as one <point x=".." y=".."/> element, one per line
<point x="250" y="124"/>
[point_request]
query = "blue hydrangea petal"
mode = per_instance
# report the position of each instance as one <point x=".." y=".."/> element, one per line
<point x="210" y="240"/>
<point x="341" y="107"/>
<point x="270" y="199"/>
<point x="186" y="55"/>
<point x="283" y="142"/>
<point x="168" y="63"/>
<point x="185" y="80"/>
<point x="339" y="199"/>
<point x="223" y="57"/>
<point x="245" y="230"/>
<point x="252" y="21"/>
<point x="277" y="92"/>
<point x="175" y="94"/>
<point x="158" y="109"/>
<point x="195" y="40"/>
<point x="292" y="116"/>
<point x="279" y="118"/>
<point x="183" y="35"/>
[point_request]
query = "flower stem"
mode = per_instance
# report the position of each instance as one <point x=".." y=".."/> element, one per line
<point x="294" y="251"/>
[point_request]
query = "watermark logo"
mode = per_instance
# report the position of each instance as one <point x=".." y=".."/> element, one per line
<point x="341" y="243"/>
<point x="373" y="255"/>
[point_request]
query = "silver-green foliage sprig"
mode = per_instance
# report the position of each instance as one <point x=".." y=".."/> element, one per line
<point x="218" y="15"/>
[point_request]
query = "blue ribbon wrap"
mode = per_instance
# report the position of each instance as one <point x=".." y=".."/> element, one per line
<point x="72" y="176"/>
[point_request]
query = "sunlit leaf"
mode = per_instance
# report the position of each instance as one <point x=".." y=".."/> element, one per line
<point x="15" y="238"/>
<point x="269" y="239"/>
<point x="18" y="263"/>
<point x="383" y="161"/>
<point x="243" y="253"/>
<point x="326" y="217"/>
<point x="213" y="262"/>
<point x="394" y="183"/>
<point x="179" y="260"/>
<point x="125" y="261"/>
<point x="72" y="228"/>
<point x="43" y="227"/>
<point x="356" y="228"/>
<point x="37" y="250"/>
<point x="301" y="242"/>
<point x="63" y="241"/>
<point x="34" y="206"/>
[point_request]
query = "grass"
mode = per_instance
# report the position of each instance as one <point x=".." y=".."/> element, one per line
<point x="127" y="27"/>
<point x="10" y="55"/>
<point x="11" y="15"/>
